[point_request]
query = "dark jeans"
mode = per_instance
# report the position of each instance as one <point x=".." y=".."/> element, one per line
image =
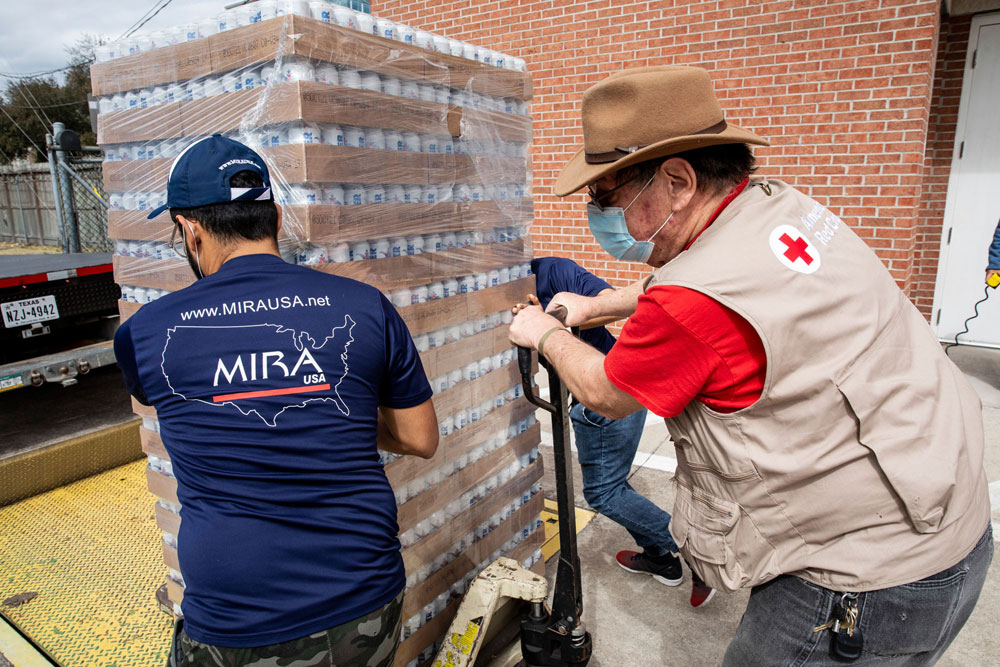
<point x="606" y="448"/>
<point x="908" y="625"/>
<point x="368" y="641"/>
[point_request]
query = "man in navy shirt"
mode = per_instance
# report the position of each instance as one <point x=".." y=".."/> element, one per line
<point x="606" y="448"/>
<point x="274" y="385"/>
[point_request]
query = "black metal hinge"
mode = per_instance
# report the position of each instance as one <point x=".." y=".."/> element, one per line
<point x="948" y="242"/>
<point x="938" y="320"/>
<point x="975" y="54"/>
<point x="961" y="150"/>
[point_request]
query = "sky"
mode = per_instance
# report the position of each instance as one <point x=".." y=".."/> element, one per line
<point x="34" y="36"/>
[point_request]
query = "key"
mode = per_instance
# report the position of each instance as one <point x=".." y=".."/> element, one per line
<point x="846" y="643"/>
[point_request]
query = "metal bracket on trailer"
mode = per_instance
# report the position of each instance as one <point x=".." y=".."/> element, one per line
<point x="61" y="367"/>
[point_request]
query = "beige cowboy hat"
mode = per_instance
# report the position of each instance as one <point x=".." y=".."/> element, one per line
<point x="643" y="113"/>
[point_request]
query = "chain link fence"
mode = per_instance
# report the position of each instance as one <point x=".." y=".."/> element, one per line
<point x="91" y="214"/>
<point x="29" y="211"/>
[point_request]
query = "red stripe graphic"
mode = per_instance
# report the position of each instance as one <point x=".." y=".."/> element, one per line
<point x="305" y="389"/>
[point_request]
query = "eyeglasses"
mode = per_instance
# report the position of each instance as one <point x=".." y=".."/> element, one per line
<point x="596" y="198"/>
<point x="177" y="244"/>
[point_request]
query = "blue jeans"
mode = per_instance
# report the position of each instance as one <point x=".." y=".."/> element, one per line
<point x="606" y="448"/>
<point x="908" y="625"/>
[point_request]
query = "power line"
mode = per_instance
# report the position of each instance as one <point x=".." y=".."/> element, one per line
<point x="26" y="135"/>
<point x="158" y="5"/>
<point x="35" y="75"/>
<point x="162" y="7"/>
<point x="46" y="106"/>
<point x="34" y="99"/>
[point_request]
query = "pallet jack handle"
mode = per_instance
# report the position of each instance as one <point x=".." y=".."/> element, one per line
<point x="557" y="638"/>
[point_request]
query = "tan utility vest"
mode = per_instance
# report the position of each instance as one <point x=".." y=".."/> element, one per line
<point x="861" y="465"/>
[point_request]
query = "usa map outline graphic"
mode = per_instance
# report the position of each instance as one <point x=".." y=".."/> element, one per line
<point x="299" y="340"/>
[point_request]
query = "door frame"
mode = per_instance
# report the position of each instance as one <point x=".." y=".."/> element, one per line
<point x="947" y="221"/>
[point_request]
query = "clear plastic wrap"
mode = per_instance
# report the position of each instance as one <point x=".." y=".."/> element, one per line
<point x="400" y="159"/>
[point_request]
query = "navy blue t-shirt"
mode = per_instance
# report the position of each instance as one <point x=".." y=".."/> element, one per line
<point x="557" y="274"/>
<point x="267" y="378"/>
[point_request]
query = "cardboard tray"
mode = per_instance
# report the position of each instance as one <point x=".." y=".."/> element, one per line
<point x="300" y="36"/>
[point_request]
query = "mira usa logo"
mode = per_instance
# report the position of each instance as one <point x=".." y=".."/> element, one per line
<point x="261" y="369"/>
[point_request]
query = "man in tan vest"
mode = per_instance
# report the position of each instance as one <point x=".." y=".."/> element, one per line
<point x="829" y="455"/>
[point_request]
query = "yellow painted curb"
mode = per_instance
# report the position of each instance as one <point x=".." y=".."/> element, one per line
<point x="17" y="650"/>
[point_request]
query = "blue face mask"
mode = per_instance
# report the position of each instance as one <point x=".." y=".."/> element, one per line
<point x="608" y="227"/>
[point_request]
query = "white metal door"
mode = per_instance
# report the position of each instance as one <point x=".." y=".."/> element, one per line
<point x="972" y="209"/>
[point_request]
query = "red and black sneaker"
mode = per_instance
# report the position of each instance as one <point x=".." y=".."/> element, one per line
<point x="701" y="593"/>
<point x="665" y="569"/>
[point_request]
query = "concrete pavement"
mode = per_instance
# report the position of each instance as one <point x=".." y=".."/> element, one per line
<point x="637" y="621"/>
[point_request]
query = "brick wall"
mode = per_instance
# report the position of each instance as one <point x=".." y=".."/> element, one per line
<point x="952" y="47"/>
<point x="840" y="88"/>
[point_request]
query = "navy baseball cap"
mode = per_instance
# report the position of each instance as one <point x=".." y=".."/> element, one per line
<point x="200" y="175"/>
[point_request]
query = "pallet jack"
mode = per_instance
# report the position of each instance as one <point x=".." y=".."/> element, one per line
<point x="555" y="637"/>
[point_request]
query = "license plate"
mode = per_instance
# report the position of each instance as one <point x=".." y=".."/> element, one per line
<point x="29" y="311"/>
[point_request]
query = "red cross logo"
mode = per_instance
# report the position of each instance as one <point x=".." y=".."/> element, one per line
<point x="796" y="249"/>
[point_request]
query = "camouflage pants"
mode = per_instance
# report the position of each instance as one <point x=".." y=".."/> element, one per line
<point x="369" y="641"/>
